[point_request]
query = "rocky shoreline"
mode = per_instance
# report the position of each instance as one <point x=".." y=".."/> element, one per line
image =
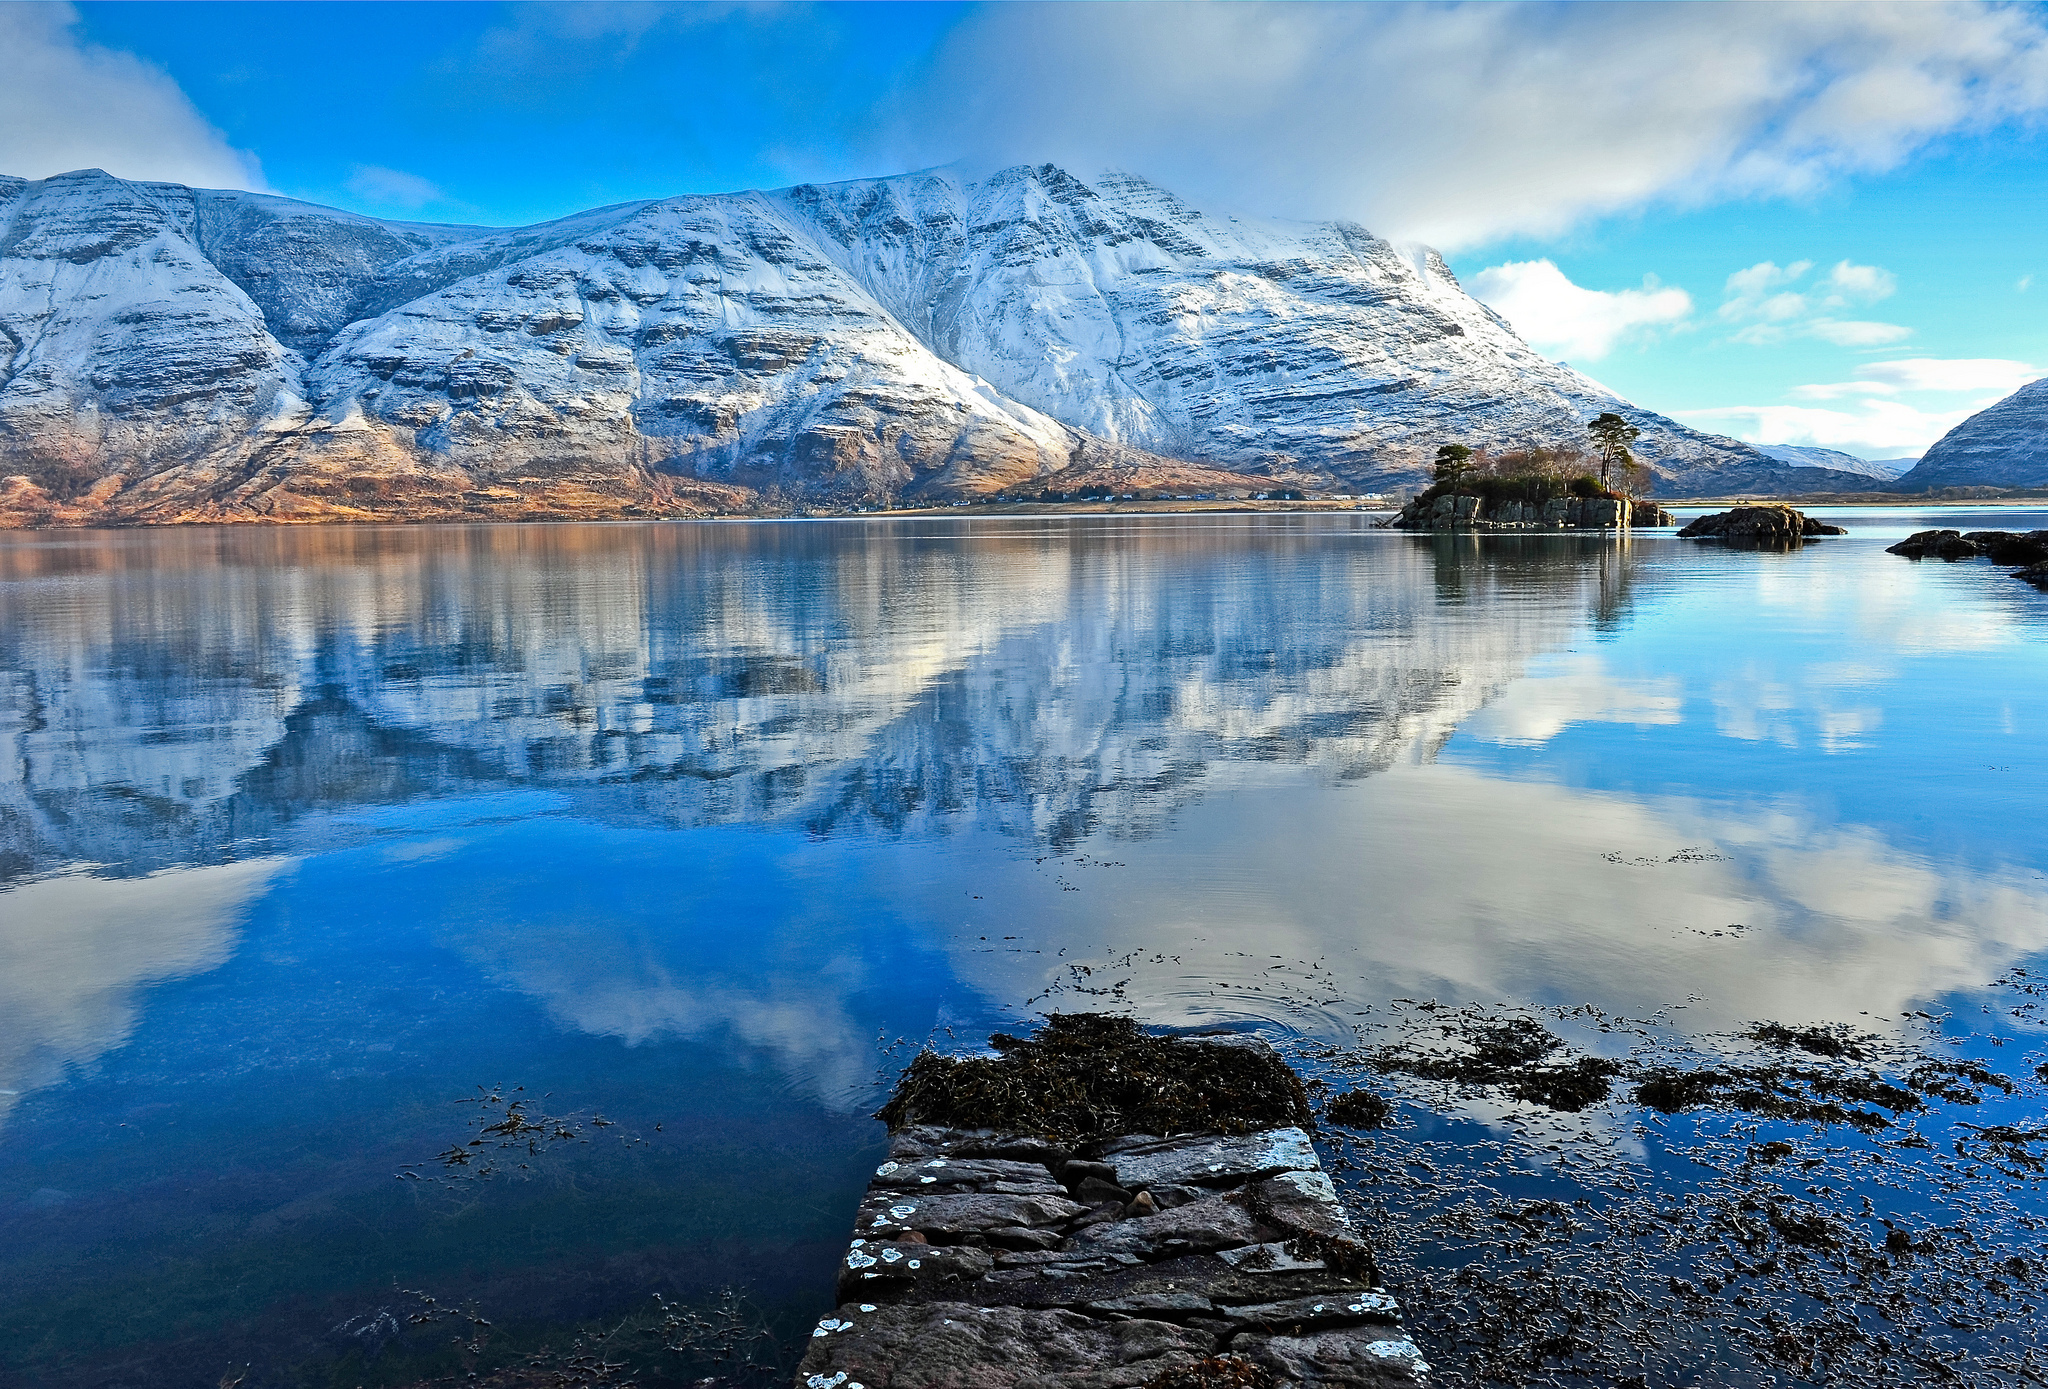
<point x="1003" y="1257"/>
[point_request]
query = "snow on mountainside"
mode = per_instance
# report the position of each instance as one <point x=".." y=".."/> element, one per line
<point x="1802" y="456"/>
<point x="171" y="354"/>
<point x="2005" y="445"/>
<point x="1254" y="346"/>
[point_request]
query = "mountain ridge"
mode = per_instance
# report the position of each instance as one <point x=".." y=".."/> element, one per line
<point x="1806" y="456"/>
<point x="2003" y="445"/>
<point x="171" y="354"/>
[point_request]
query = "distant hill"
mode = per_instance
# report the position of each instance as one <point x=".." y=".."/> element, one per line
<point x="1802" y="456"/>
<point x="2005" y="445"/>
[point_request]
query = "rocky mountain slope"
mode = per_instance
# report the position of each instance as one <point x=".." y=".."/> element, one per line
<point x="172" y="354"/>
<point x="2005" y="445"/>
<point x="1802" y="456"/>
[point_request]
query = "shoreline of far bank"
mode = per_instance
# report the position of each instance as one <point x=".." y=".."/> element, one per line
<point x="1313" y="506"/>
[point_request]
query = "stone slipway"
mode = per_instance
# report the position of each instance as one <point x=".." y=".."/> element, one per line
<point x="984" y="1260"/>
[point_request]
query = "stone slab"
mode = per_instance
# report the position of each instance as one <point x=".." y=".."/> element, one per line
<point x="946" y="1217"/>
<point x="924" y="1141"/>
<point x="1371" y="1358"/>
<point x="885" y="1269"/>
<point x="956" y="1345"/>
<point x="1322" y="1311"/>
<point x="1000" y="1174"/>
<point x="1214" y="1162"/>
<point x="1267" y="1258"/>
<point x="1303" y="1201"/>
<point x="1197" y="1228"/>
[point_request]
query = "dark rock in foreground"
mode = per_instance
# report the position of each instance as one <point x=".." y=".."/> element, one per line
<point x="990" y="1258"/>
<point x="2029" y="549"/>
<point x="1766" y="527"/>
<point x="2001" y="547"/>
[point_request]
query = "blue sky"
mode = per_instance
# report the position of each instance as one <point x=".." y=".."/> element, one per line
<point x="1808" y="224"/>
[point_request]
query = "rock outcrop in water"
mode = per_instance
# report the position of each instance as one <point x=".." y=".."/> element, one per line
<point x="170" y="354"/>
<point x="2028" y="549"/>
<point x="1759" y="527"/>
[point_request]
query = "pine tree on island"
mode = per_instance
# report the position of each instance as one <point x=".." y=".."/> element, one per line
<point x="1612" y="434"/>
<point x="1453" y="463"/>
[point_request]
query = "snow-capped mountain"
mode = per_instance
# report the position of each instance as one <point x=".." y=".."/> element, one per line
<point x="1805" y="456"/>
<point x="169" y="353"/>
<point x="2004" y="445"/>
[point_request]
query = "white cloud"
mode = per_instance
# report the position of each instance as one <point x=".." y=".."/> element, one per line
<point x="1997" y="375"/>
<point x="1459" y="124"/>
<point x="66" y="104"/>
<point x="1566" y="320"/>
<point x="1765" y="300"/>
<point x="1839" y="390"/>
<point x="2025" y="283"/>
<point x="1873" y="422"/>
<point x="1759" y="292"/>
<point x="393" y="187"/>
<point x="1857" y="333"/>
<point x="1875" y="428"/>
<point x="1861" y="284"/>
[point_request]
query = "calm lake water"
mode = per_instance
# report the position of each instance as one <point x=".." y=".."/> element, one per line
<point x="306" y="835"/>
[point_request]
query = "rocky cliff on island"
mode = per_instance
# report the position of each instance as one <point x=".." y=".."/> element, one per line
<point x="1473" y="513"/>
<point x="170" y="354"/>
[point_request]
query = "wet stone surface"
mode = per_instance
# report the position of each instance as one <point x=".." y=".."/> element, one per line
<point x="1007" y="1268"/>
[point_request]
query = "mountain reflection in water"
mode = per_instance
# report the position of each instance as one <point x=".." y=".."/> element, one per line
<point x="307" y="833"/>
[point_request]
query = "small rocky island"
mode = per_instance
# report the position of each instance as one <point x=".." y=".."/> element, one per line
<point x="2027" y="549"/>
<point x="1465" y="512"/>
<point x="1097" y="1207"/>
<point x="1763" y="526"/>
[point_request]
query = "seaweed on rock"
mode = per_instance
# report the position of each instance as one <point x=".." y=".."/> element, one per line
<point x="1358" y="1109"/>
<point x="1088" y="1076"/>
<point x="1792" y="1093"/>
<point x="1516" y="1054"/>
<point x="1807" y="1234"/>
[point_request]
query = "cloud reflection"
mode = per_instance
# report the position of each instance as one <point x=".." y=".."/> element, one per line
<point x="1560" y="691"/>
<point x="1441" y="881"/>
<point x="77" y="952"/>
